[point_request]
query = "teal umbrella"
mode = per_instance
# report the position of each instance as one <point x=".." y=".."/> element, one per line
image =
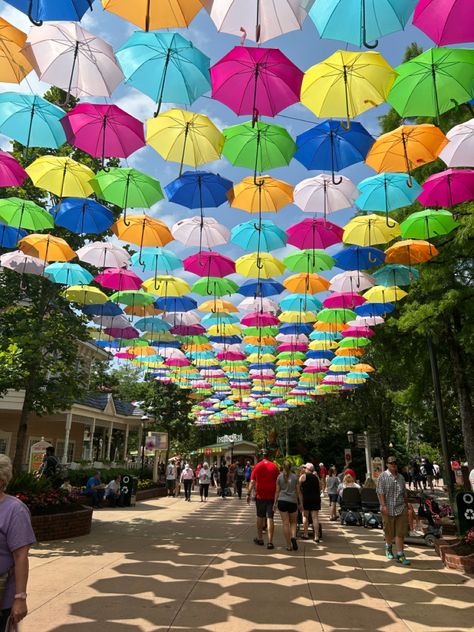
<point x="152" y="324"/>
<point x="253" y="236"/>
<point x="387" y="192"/>
<point x="158" y="260"/>
<point x="223" y="318"/>
<point x="396" y="274"/>
<point x="67" y="273"/>
<point x="300" y="303"/>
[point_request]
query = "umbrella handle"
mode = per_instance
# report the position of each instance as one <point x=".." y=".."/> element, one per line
<point x="346" y="124"/>
<point x="371" y="46"/>
<point x="333" y="180"/>
<point x="125" y="218"/>
<point x="388" y="223"/>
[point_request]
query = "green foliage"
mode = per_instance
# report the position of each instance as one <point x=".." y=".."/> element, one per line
<point x="79" y="478"/>
<point x="27" y="483"/>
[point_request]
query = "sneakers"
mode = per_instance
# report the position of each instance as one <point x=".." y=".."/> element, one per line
<point x="388" y="552"/>
<point x="416" y="533"/>
<point x="401" y="559"/>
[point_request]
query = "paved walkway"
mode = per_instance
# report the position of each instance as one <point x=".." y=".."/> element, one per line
<point x="171" y="565"/>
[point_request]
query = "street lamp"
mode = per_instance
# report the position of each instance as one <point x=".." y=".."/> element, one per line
<point x="350" y="436"/>
<point x="145" y="418"/>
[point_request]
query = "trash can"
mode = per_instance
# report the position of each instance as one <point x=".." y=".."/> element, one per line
<point x="129" y="490"/>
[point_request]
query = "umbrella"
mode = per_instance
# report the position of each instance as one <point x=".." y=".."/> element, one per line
<point x="261" y="288"/>
<point x="300" y="303"/>
<point x="165" y="285"/>
<point x="351" y="281"/>
<point x="22" y="263"/>
<point x="358" y="258"/>
<point x="314" y="233"/>
<point x="13" y="65"/>
<point x="152" y="325"/>
<point x="371" y="310"/>
<point x="259" y="319"/>
<point x="445" y="21"/>
<point x="141" y="310"/>
<point x="46" y="247"/>
<point x="336" y="315"/>
<point x="387" y="192"/>
<point x="103" y="130"/>
<point x="256" y="81"/>
<point x="31" y="120"/>
<point x="180" y="318"/>
<point x="159" y="14"/>
<point x="12" y="173"/>
<point x="262" y="195"/>
<point x="384" y="294"/>
<point x="305" y="283"/>
<point x="459" y="152"/>
<point x="308" y="261"/>
<point x="396" y="275"/>
<point x="323" y="192"/>
<point x="143" y="231"/>
<point x="104" y="309"/>
<point x="259" y="303"/>
<point x="20" y="213"/>
<point x="434" y="82"/>
<point x="407" y="147"/>
<point x="222" y="317"/>
<point x="82" y="215"/>
<point x="123" y="334"/>
<point x="410" y="251"/>
<point x="184" y="137"/>
<point x="119" y="279"/>
<point x="297" y="317"/>
<point x="9" y="236"/>
<point x="157" y="260"/>
<point x="265" y="235"/>
<point x="344" y="299"/>
<point x="209" y="264"/>
<point x="331" y="147"/>
<point x="67" y="273"/>
<point x="346" y="84"/>
<point x="200" y="231"/>
<point x="360" y="21"/>
<point x="214" y="286"/>
<point x="369" y="230"/>
<point x="116" y="322"/>
<point x="39" y="10"/>
<point x="198" y="189"/>
<point x="103" y="254"/>
<point x="259" y="265"/>
<point x="367" y="321"/>
<point x="69" y="57"/>
<point x="448" y="188"/>
<point x="427" y="224"/>
<point x="85" y="295"/>
<point x="63" y="177"/>
<point x="175" y="303"/>
<point x="216" y="306"/>
<point x="132" y="297"/>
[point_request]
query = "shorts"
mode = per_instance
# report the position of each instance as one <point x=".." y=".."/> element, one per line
<point x="312" y="504"/>
<point x="395" y="526"/>
<point x="170" y="483"/>
<point x="287" y="507"/>
<point x="264" y="507"/>
<point x="333" y="498"/>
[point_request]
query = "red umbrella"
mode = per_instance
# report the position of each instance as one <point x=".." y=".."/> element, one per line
<point x="209" y="263"/>
<point x="12" y="173"/>
<point x="347" y="300"/>
<point x="230" y="355"/>
<point x="314" y="233"/>
<point x="259" y="319"/>
<point x="119" y="279"/>
<point x="188" y="330"/>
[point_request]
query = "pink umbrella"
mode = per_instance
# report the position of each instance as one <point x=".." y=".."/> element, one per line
<point x="209" y="263"/>
<point x="119" y="279"/>
<point x="319" y="363"/>
<point x="334" y="379"/>
<point x="177" y="362"/>
<point x="445" y="21"/>
<point x="347" y="300"/>
<point x="123" y="355"/>
<point x="169" y="352"/>
<point x="12" y="173"/>
<point x="292" y="338"/>
<point x="358" y="332"/>
<point x="314" y="233"/>
<point x="315" y="369"/>
<point x="103" y="130"/>
<point x="448" y="188"/>
<point x="212" y="373"/>
<point x="291" y="346"/>
<point x="262" y="373"/>
<point x="128" y="333"/>
<point x="256" y="81"/>
<point x="231" y="355"/>
<point x="259" y="319"/>
<point x="188" y="330"/>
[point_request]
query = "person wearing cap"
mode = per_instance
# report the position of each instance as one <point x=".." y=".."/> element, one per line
<point x="323" y="472"/>
<point x="392" y="493"/>
<point x="263" y="479"/>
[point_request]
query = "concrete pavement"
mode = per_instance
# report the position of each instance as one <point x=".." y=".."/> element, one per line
<point x="170" y="565"/>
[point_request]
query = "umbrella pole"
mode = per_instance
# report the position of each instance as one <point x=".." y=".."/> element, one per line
<point x="125" y="201"/>
<point x="256" y="157"/>
<point x="68" y="94"/>
<point x="30" y="129"/>
<point x="141" y="244"/>
<point x="385" y="190"/>
<point x="407" y="162"/>
<point x="162" y="83"/>
<point x="346" y="124"/>
<point x="364" y="29"/>
<point x="30" y="15"/>
<point x="83" y="218"/>
<point x="433" y="74"/>
<point x="147" y="17"/>
<point x="104" y="131"/>
<point x="331" y="140"/>
<point x="186" y="132"/>
<point x="255" y="88"/>
<point x="257" y="25"/>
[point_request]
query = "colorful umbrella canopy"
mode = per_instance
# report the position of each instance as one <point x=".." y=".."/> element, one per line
<point x="384" y="294"/>
<point x="427" y="224"/>
<point x="258" y="303"/>
<point x="201" y="231"/>
<point x="46" y="247"/>
<point x="143" y="231"/>
<point x="445" y="21"/>
<point x="263" y="194"/>
<point x="85" y="295"/>
<point x="82" y="215"/>
<point x="104" y="254"/>
<point x="344" y="299"/>
<point x="105" y="309"/>
<point x="396" y="275"/>
<point x="369" y="230"/>
<point x="167" y="286"/>
<point x="216" y="306"/>
<point x="351" y="281"/>
<point x="68" y="274"/>
<point x="304" y="283"/>
<point x="308" y="261"/>
<point x="314" y="233"/>
<point x="259" y="265"/>
<point x="214" y="286"/>
<point x="40" y="10"/>
<point x="132" y="297"/>
<point x="198" y="189"/>
<point x="63" y="177"/>
<point x="322" y="194"/>
<point x="9" y="236"/>
<point x="157" y="260"/>
<point x="358" y="258"/>
<point x="12" y="173"/>
<point x="159" y="14"/>
<point x="13" y="64"/>
<point x="209" y="264"/>
<point x="448" y="188"/>
<point x="459" y="152"/>
<point x="387" y="192"/>
<point x="20" y="213"/>
<point x="22" y="263"/>
<point x="300" y="303"/>
<point x="262" y="236"/>
<point x="119" y="279"/>
<point x="410" y="251"/>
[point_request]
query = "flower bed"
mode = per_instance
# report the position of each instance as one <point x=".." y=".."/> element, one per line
<point x="63" y="526"/>
<point x="457" y="554"/>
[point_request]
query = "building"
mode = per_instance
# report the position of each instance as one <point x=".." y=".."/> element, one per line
<point x="228" y="447"/>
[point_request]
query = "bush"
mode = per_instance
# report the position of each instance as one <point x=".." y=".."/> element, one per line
<point x="147" y="483"/>
<point x="79" y="478"/>
<point x="28" y="484"/>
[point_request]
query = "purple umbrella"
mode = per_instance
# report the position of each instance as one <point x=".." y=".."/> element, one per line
<point x="448" y="188"/>
<point x="188" y="330"/>
<point x="127" y="334"/>
<point x="12" y="173"/>
<point x="445" y="21"/>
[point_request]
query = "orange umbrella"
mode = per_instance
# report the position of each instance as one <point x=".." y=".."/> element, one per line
<point x="143" y="231"/>
<point x="306" y="283"/>
<point x="260" y="340"/>
<point x="366" y="368"/>
<point x="321" y="326"/>
<point x="410" y="251"/>
<point x="142" y="310"/>
<point x="350" y="351"/>
<point x="159" y="14"/>
<point x="13" y="65"/>
<point x="46" y="247"/>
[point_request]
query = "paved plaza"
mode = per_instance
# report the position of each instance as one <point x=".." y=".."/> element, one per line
<point x="170" y="565"/>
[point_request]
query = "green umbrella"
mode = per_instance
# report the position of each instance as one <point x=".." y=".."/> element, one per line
<point x="138" y="342"/>
<point x="214" y="286"/>
<point x="336" y="315"/>
<point x="354" y="342"/>
<point x="259" y="147"/>
<point x="434" y="82"/>
<point x="196" y="340"/>
<point x="132" y="297"/>
<point x="309" y="261"/>
<point x="291" y="355"/>
<point x="427" y="224"/>
<point x="24" y="214"/>
<point x="260" y="331"/>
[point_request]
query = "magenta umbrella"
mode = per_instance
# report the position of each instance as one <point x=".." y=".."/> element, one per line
<point x="315" y="369"/>
<point x="291" y="346"/>
<point x="188" y="330"/>
<point x="123" y="355"/>
<point x="103" y="130"/>
<point x="256" y="81"/>
<point x="12" y="173"/>
<point x="259" y="319"/>
<point x="209" y="263"/>
<point x="119" y="279"/>
<point x="127" y="334"/>
<point x="313" y="233"/>
<point x="177" y="362"/>
<point x="230" y="355"/>
<point x="358" y="332"/>
<point x="445" y="21"/>
<point x="347" y="300"/>
<point x="448" y="188"/>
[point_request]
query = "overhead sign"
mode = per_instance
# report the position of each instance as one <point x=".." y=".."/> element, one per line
<point x="229" y="438"/>
<point x="347" y="455"/>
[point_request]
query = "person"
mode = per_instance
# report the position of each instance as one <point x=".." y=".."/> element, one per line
<point x="347" y="481"/>
<point x="187" y="476"/>
<point x="423" y="473"/>
<point x="171" y="477"/>
<point x="248" y="472"/>
<point x="204" y="481"/>
<point x="288" y="500"/>
<point x="415" y="474"/>
<point x="263" y="479"/>
<point x="214" y="475"/>
<point x="437" y="473"/>
<point x="16" y="537"/>
<point x="323" y="472"/>
<point x="471" y="479"/>
<point x="95" y="489"/>
<point x="332" y="484"/>
<point x="231" y="475"/>
<point x="66" y="486"/>
<point x="51" y="466"/>
<point x="113" y="491"/>
<point x="177" y="489"/>
<point x="223" y="474"/>
<point x="392" y="493"/>
<point x="310" y="491"/>
<point x="239" y="476"/>
<point x="350" y="470"/>
<point x="369" y="483"/>
<point x="429" y="473"/>
<point x="415" y="529"/>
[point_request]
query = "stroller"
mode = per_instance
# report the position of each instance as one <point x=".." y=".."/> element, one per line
<point x="351" y="508"/>
<point x="371" y="516"/>
<point x="430" y="512"/>
<point x="299" y="526"/>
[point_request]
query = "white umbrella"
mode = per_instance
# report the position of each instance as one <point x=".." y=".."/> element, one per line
<point x="221" y="346"/>
<point x="205" y="232"/>
<point x="116" y="322"/>
<point x="21" y="263"/>
<point x="320" y="195"/>
<point x="69" y="57"/>
<point x="103" y="254"/>
<point x="295" y="338"/>
<point x="181" y="318"/>
<point x="459" y="152"/>
<point x="366" y="321"/>
<point x="322" y="362"/>
<point x="258" y="303"/>
<point x="351" y="281"/>
<point x="259" y="21"/>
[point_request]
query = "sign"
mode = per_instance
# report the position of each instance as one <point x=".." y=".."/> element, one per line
<point x="229" y="438"/>
<point x="360" y="441"/>
<point x="465" y="511"/>
<point x="37" y="451"/>
<point x="156" y="441"/>
<point x="347" y="455"/>
<point x="377" y="466"/>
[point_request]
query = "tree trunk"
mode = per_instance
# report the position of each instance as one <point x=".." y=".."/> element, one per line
<point x="22" y="432"/>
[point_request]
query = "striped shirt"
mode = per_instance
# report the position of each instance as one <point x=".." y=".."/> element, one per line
<point x="394" y="491"/>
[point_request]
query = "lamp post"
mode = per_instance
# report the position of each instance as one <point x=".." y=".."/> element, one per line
<point x="145" y="418"/>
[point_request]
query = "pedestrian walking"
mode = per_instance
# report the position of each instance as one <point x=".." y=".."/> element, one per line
<point x="392" y="493"/>
<point x="223" y="477"/>
<point x="177" y="490"/>
<point x="311" y="494"/>
<point x="215" y="475"/>
<point x="332" y="484"/>
<point x="323" y="472"/>
<point x="204" y="481"/>
<point x="437" y="473"/>
<point x="187" y="477"/>
<point x="288" y="499"/>
<point x="171" y="477"/>
<point x="429" y="472"/>
<point x="239" y="477"/>
<point x="263" y="479"/>
<point x="248" y="472"/>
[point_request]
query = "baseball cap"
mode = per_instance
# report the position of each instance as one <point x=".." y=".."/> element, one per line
<point x="392" y="459"/>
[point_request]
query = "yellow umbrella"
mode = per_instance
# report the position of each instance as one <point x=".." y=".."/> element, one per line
<point x="217" y="305"/>
<point x="60" y="176"/>
<point x="367" y="230"/>
<point x="226" y="329"/>
<point x="85" y="295"/>
<point x="157" y="14"/>
<point x="383" y="294"/>
<point x="323" y="345"/>
<point x="13" y="65"/>
<point x="306" y="283"/>
<point x="297" y="317"/>
<point x="366" y="368"/>
<point x="166" y="285"/>
<point x="259" y="265"/>
<point x="346" y="84"/>
<point x="46" y="247"/>
<point x="184" y="137"/>
<point x="263" y="194"/>
<point x="264" y="357"/>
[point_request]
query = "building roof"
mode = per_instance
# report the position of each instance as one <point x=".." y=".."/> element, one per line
<point x="100" y="401"/>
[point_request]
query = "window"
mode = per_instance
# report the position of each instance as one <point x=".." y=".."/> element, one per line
<point x="5" y="438"/>
<point x="70" y="450"/>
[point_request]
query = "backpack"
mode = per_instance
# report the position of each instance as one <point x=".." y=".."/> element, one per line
<point x="52" y="466"/>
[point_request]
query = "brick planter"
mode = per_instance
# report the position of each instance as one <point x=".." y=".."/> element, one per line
<point x="62" y="526"/>
<point x="452" y="557"/>
<point x="153" y="492"/>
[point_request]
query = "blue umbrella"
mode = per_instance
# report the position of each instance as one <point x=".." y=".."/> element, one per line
<point x="396" y="274"/>
<point x="268" y="287"/>
<point x="157" y="259"/>
<point x="264" y="236"/>
<point x="173" y="344"/>
<point x="165" y="66"/>
<point x="198" y="189"/>
<point x="262" y="365"/>
<point x="222" y="318"/>
<point x="296" y="328"/>
<point x="31" y="120"/>
<point x="152" y="324"/>
<point x="105" y="309"/>
<point x="374" y="309"/>
<point x="67" y="273"/>
<point x="82" y="215"/>
<point x="257" y="349"/>
<point x="227" y="340"/>
<point x="51" y="10"/>
<point x="358" y="257"/>
<point x="175" y="303"/>
<point x="300" y="302"/>
<point x="387" y="192"/>
<point x="10" y="236"/>
<point x="325" y="335"/>
<point x="331" y="147"/>
<point x="320" y="354"/>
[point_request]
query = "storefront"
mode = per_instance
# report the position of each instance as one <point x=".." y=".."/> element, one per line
<point x="229" y="448"/>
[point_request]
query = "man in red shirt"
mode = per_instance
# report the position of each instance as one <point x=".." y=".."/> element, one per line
<point x="263" y="479"/>
<point x="323" y="472"/>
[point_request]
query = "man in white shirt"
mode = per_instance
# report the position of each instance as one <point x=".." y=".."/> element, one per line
<point x="171" y="477"/>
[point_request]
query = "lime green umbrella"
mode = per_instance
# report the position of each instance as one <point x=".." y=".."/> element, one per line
<point x="291" y="355"/>
<point x="427" y="224"/>
<point x="24" y="214"/>
<point x="260" y="331"/>
<point x="336" y="315"/>
<point x="132" y="297"/>
<point x="354" y="342"/>
<point x="259" y="147"/>
<point x="434" y="82"/>
<point x="308" y="261"/>
<point x="214" y="286"/>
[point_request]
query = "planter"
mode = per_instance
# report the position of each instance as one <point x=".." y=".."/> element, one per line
<point x="62" y="526"/>
<point x="456" y="554"/>
<point x="153" y="492"/>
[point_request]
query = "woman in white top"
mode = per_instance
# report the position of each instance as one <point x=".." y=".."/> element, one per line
<point x="347" y="481"/>
<point x="288" y="498"/>
<point x="187" y="477"/>
<point x="204" y="481"/>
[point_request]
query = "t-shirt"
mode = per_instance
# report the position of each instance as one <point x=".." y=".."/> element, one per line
<point x="113" y="488"/>
<point x="323" y="471"/>
<point x="204" y="476"/>
<point x="92" y="482"/>
<point x="15" y="531"/>
<point x="265" y="475"/>
<point x="170" y="472"/>
<point x="332" y="484"/>
<point x="223" y="472"/>
<point x="288" y="488"/>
